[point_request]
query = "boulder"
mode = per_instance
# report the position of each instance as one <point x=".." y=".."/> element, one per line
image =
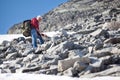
<point x="67" y="63"/>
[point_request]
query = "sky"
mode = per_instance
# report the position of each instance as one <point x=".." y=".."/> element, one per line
<point x="15" y="11"/>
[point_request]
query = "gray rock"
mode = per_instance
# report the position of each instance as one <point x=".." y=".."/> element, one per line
<point x="49" y="71"/>
<point x="1" y="61"/>
<point x="5" y="71"/>
<point x="73" y="53"/>
<point x="106" y="51"/>
<point x="79" y="66"/>
<point x="103" y="73"/>
<point x="98" y="44"/>
<point x="70" y="72"/>
<point x="13" y="56"/>
<point x="61" y="47"/>
<point x="67" y="63"/>
<point x="18" y="61"/>
<point x="5" y="43"/>
<point x="28" y="51"/>
<point x="100" y="32"/>
<point x="24" y="70"/>
<point x="21" y="39"/>
<point x="113" y="25"/>
<point x="49" y="63"/>
<point x="112" y="40"/>
<point x="10" y="50"/>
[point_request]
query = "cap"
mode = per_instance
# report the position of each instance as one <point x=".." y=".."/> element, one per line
<point x="39" y="17"/>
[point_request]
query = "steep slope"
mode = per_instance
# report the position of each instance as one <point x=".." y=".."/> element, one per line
<point x="77" y="14"/>
<point x="93" y="50"/>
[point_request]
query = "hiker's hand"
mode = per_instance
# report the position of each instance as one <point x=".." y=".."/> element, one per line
<point x="44" y="35"/>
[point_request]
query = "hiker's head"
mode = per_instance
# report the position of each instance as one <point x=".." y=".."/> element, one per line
<point x="39" y="18"/>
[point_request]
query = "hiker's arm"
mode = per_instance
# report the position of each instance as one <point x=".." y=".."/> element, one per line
<point x="42" y="34"/>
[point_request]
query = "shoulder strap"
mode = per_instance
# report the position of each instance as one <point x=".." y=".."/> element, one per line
<point x="25" y="22"/>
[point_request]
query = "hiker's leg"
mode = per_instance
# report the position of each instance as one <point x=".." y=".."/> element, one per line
<point x="40" y="38"/>
<point x="34" y="38"/>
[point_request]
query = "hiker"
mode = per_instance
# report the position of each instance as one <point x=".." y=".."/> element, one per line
<point x="35" y="33"/>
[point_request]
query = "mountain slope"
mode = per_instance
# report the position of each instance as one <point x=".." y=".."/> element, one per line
<point x="77" y="13"/>
<point x="92" y="51"/>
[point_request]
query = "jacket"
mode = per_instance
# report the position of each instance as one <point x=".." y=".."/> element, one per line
<point x="35" y="23"/>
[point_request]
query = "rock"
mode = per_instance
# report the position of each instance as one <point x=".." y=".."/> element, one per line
<point x="49" y="63"/>
<point x="79" y="66"/>
<point x="18" y="61"/>
<point x="24" y="70"/>
<point x="32" y="56"/>
<point x="46" y="46"/>
<point x="38" y="58"/>
<point x="1" y="62"/>
<point x="12" y="56"/>
<point x="73" y="53"/>
<point x="63" y="32"/>
<point x="87" y="31"/>
<point x="112" y="40"/>
<point x="113" y="25"/>
<point x="29" y="39"/>
<point x="70" y="72"/>
<point x="90" y="49"/>
<point x="97" y="18"/>
<point x="5" y="71"/>
<point x="103" y="73"/>
<point x="106" y="51"/>
<point x="115" y="59"/>
<point x="5" y="43"/>
<point x="60" y="48"/>
<point x="10" y="50"/>
<point x="101" y="64"/>
<point x="14" y="42"/>
<point x="28" y="51"/>
<point x="97" y="32"/>
<point x="98" y="44"/>
<point x="52" y="71"/>
<point x="21" y="39"/>
<point x="63" y="54"/>
<point x="31" y="65"/>
<point x="26" y="60"/>
<point x="100" y="32"/>
<point x="67" y="63"/>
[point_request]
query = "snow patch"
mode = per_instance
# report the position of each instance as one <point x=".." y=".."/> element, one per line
<point x="24" y="76"/>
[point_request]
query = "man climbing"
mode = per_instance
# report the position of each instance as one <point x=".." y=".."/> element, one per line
<point x="35" y="33"/>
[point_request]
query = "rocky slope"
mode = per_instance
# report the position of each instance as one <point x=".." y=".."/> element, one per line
<point x="94" y="50"/>
<point x="89" y="53"/>
<point x="77" y="14"/>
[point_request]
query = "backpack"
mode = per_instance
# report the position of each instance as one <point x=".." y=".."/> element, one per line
<point x="26" y="28"/>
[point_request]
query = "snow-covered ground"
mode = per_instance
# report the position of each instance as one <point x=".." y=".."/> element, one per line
<point x="9" y="37"/>
<point x="23" y="76"/>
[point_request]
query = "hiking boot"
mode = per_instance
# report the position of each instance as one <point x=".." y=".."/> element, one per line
<point x="38" y="50"/>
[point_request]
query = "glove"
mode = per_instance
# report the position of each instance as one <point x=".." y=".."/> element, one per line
<point x="44" y="35"/>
